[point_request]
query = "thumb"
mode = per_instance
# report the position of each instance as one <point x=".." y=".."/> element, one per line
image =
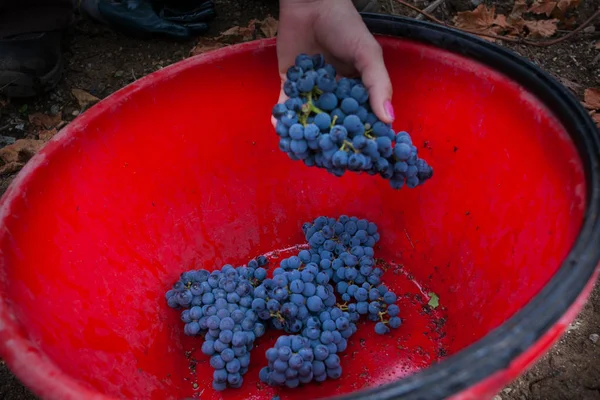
<point x="369" y="63"/>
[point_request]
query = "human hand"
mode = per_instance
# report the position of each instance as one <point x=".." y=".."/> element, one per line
<point x="335" y="29"/>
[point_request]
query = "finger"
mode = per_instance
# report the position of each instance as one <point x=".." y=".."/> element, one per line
<point x="343" y="69"/>
<point x="369" y="63"/>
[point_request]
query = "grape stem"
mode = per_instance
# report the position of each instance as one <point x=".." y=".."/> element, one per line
<point x="333" y="120"/>
<point x="311" y="105"/>
<point x="254" y="282"/>
<point x="302" y="118"/>
<point x="347" y="145"/>
<point x="278" y="316"/>
<point x="381" y="314"/>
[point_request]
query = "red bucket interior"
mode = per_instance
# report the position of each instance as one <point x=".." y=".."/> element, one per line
<point x="182" y="170"/>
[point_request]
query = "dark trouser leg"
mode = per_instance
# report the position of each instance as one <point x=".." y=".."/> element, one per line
<point x="30" y="45"/>
<point x="26" y="16"/>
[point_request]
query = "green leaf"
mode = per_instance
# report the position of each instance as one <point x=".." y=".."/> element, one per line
<point x="434" y="300"/>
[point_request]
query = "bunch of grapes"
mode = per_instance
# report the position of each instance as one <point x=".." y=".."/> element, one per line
<point x="218" y="306"/>
<point x="347" y="246"/>
<point x="299" y="299"/>
<point x="329" y="123"/>
<point x="232" y="307"/>
<point x="311" y="356"/>
<point x="295" y="292"/>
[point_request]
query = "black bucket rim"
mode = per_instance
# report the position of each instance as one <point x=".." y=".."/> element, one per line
<point x="496" y="350"/>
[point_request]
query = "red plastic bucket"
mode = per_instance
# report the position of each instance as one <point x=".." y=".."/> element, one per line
<point x="181" y="169"/>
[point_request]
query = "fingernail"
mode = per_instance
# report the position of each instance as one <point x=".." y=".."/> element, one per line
<point x="389" y="109"/>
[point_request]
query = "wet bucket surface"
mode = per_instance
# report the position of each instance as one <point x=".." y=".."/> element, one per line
<point x="161" y="178"/>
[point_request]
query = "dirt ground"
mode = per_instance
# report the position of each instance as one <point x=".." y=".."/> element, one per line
<point x="100" y="61"/>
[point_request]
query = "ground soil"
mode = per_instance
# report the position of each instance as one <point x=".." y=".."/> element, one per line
<point x="100" y="61"/>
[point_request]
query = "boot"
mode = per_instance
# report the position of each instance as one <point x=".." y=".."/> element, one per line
<point x="144" y="18"/>
<point x="30" y="64"/>
<point x="31" y="60"/>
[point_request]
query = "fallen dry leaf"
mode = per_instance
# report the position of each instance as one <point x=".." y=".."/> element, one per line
<point x="514" y="21"/>
<point x="591" y="99"/>
<point x="560" y="12"/>
<point x="542" y="29"/>
<point x="47" y="134"/>
<point x="20" y="151"/>
<point x="519" y="8"/>
<point x="514" y="25"/>
<point x="569" y="84"/>
<point x="564" y="5"/>
<point x="84" y="98"/>
<point x="596" y="118"/>
<point x="501" y="21"/>
<point x="206" y="44"/>
<point x="268" y="27"/>
<point x="480" y="19"/>
<point x="45" y="121"/>
<point x="484" y="21"/>
<point x="510" y="26"/>
<point x="543" y="7"/>
<point x="238" y="34"/>
<point x="11" y="168"/>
